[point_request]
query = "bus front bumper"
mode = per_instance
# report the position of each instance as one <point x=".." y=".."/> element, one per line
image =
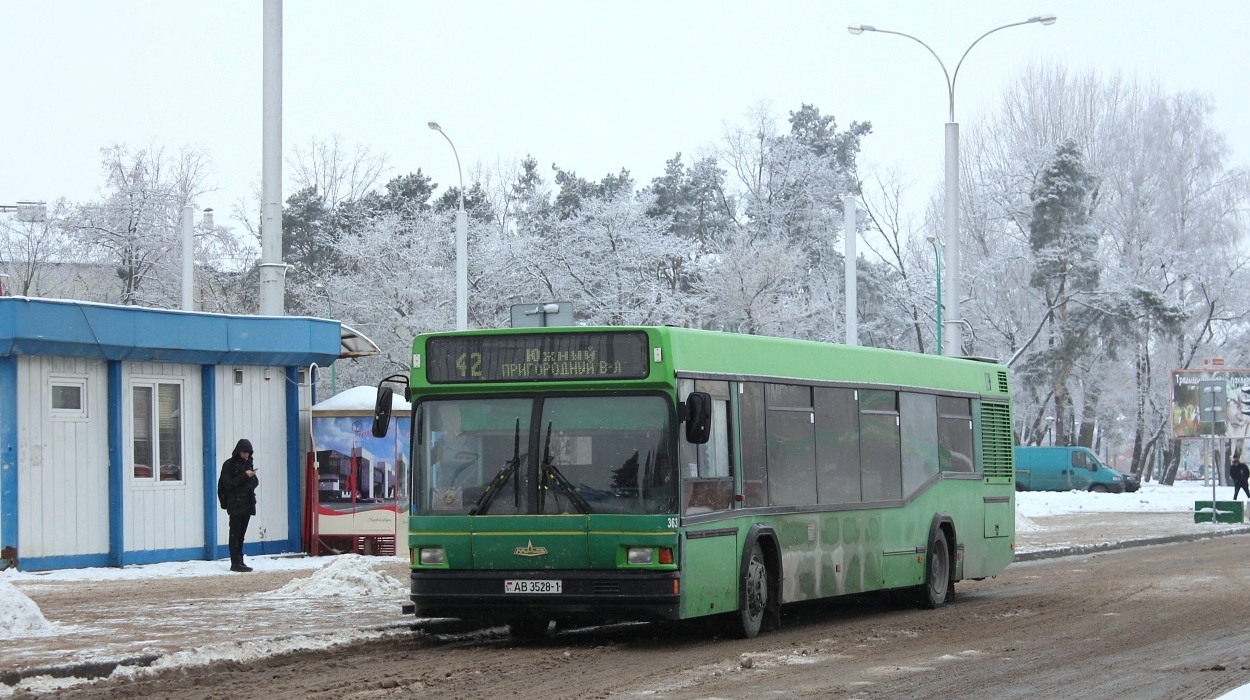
<point x="596" y="596"/>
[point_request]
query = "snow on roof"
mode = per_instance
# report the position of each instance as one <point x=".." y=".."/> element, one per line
<point x="360" y="400"/>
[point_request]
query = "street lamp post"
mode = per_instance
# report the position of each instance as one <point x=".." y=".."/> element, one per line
<point x="937" y="300"/>
<point x="954" y="331"/>
<point x="462" y="244"/>
<point x="329" y="314"/>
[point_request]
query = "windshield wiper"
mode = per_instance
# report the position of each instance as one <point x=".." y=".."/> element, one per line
<point x="551" y="475"/>
<point x="508" y="470"/>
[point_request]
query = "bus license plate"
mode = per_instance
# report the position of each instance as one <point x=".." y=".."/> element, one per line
<point x="546" y="586"/>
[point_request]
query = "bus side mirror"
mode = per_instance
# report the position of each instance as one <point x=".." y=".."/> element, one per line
<point x="698" y="417"/>
<point x="382" y="411"/>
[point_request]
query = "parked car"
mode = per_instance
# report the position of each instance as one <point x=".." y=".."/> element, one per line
<point x="1064" y="469"/>
<point x="1131" y="481"/>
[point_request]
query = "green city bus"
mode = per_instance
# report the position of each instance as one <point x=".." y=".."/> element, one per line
<point x="591" y="474"/>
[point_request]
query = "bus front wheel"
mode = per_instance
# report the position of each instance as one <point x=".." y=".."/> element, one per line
<point x="937" y="579"/>
<point x="755" y="590"/>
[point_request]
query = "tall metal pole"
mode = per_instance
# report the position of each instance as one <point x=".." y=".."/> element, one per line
<point x="937" y="299"/>
<point x="462" y="243"/>
<point x="462" y="269"/>
<point x="954" y="323"/>
<point x="852" y="299"/>
<point x="334" y="375"/>
<point x="188" y="258"/>
<point x="950" y="234"/>
<point x="272" y="269"/>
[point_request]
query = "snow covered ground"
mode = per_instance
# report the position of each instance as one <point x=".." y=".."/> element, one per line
<point x="352" y="580"/>
<point x="1151" y="498"/>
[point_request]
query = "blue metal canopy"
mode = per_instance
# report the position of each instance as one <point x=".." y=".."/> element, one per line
<point x="67" y="328"/>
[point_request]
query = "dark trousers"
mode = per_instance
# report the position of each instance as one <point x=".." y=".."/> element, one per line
<point x="238" y="529"/>
<point x="1240" y="486"/>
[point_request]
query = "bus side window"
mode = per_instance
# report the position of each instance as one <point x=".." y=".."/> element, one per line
<point x="881" y="467"/>
<point x="837" y="445"/>
<point x="714" y="455"/>
<point x="707" y="473"/>
<point x="955" y="452"/>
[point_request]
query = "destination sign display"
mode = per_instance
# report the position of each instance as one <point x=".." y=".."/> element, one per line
<point x="536" y="357"/>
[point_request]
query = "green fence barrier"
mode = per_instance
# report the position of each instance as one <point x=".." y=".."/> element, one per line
<point x="1225" y="512"/>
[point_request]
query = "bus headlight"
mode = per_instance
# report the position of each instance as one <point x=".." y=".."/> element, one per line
<point x="430" y="556"/>
<point x="638" y="555"/>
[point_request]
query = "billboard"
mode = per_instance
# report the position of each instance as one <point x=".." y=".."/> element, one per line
<point x="1211" y="403"/>
<point x="361" y="480"/>
<point x="358" y="484"/>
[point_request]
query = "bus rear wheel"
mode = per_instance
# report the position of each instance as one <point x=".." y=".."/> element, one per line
<point x="937" y="579"/>
<point x="755" y="588"/>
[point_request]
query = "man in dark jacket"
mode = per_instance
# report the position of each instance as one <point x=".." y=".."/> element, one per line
<point x="1241" y="477"/>
<point x="236" y="489"/>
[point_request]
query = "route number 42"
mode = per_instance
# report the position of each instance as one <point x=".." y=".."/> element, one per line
<point x="473" y="367"/>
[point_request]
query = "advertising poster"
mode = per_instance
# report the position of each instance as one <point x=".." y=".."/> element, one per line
<point x="361" y="480"/>
<point x="1211" y="403"/>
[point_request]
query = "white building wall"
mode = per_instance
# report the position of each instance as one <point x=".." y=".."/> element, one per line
<point x="164" y="514"/>
<point x="62" y="459"/>
<point x="255" y="408"/>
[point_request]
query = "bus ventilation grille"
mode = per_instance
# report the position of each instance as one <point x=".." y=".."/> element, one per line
<point x="996" y="439"/>
<point x="1002" y="382"/>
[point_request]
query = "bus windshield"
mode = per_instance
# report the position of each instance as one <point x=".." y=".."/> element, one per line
<point x="587" y="454"/>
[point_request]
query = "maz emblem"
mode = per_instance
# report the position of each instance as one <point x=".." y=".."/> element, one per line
<point x="529" y="550"/>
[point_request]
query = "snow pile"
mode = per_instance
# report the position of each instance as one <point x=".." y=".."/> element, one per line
<point x="1151" y="498"/>
<point x="1026" y="524"/>
<point x="19" y="615"/>
<point x="346" y="575"/>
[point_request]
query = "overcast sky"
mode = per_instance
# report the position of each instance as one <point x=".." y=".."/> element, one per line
<point x="590" y="86"/>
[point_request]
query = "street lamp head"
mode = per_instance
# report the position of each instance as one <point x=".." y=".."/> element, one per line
<point x="858" y="29"/>
<point x="435" y="126"/>
<point x="1046" y="20"/>
<point x="319" y="287"/>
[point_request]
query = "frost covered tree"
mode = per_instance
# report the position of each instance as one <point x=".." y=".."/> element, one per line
<point x="336" y="173"/>
<point x="135" y="229"/>
<point x="908" y="291"/>
<point x="608" y="258"/>
<point x="695" y="210"/>
<point x="393" y="284"/>
<point x="37" y="253"/>
<point x="1170" y="214"/>
<point x="1066" y="269"/>
<point x="789" y="195"/>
